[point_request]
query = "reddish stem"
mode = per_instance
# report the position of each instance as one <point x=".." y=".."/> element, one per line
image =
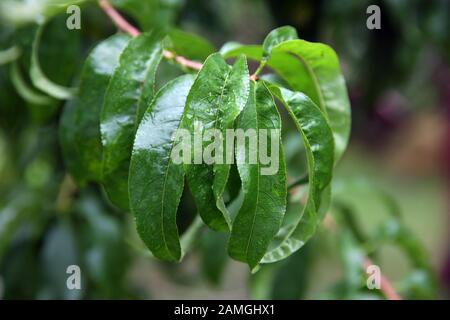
<point x="118" y="20"/>
<point x="125" y="26"/>
<point x="385" y="286"/>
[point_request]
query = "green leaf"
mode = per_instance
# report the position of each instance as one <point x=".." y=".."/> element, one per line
<point x="82" y="129"/>
<point x="105" y="253"/>
<point x="216" y="98"/>
<point x="260" y="216"/>
<point x="284" y="280"/>
<point x="312" y="68"/>
<point x="395" y="232"/>
<point x="351" y="256"/>
<point x="188" y="45"/>
<point x="276" y="37"/>
<point x="150" y="14"/>
<point x="12" y="217"/>
<point x="25" y="91"/>
<point x="18" y="13"/>
<point x="9" y="55"/>
<point x="130" y="90"/>
<point x="318" y="75"/>
<point x="156" y="182"/>
<point x="39" y="79"/>
<point x="319" y="144"/>
<point x="213" y="257"/>
<point x="233" y="49"/>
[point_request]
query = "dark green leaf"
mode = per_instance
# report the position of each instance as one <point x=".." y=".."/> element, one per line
<point x="216" y="98"/>
<point x="156" y="182"/>
<point x="150" y="14"/>
<point x="105" y="253"/>
<point x="213" y="255"/>
<point x="287" y="279"/>
<point x="318" y="140"/>
<point x="83" y="128"/>
<point x="188" y="45"/>
<point x="129" y="92"/>
<point x="39" y="79"/>
<point x="260" y="216"/>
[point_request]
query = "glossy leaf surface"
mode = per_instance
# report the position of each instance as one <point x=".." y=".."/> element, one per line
<point x="83" y="130"/>
<point x="217" y="96"/>
<point x="129" y="92"/>
<point x="318" y="140"/>
<point x="156" y="183"/>
<point x="261" y="213"/>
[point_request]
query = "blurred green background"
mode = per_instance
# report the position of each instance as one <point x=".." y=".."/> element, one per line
<point x="398" y="80"/>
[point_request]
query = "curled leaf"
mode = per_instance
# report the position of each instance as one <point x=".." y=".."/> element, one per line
<point x="319" y="145"/>
<point x="39" y="79"/>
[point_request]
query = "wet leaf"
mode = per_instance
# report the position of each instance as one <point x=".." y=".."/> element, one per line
<point x="261" y="213"/>
<point x="156" y="182"/>
<point x="130" y="90"/>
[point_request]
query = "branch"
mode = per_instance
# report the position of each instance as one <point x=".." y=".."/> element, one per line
<point x="386" y="287"/>
<point x="118" y="20"/>
<point x="126" y="27"/>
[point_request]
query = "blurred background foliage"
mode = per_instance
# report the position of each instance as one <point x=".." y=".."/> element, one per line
<point x="391" y="192"/>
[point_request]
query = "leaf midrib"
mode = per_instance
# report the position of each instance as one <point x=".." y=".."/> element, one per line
<point x="257" y="183"/>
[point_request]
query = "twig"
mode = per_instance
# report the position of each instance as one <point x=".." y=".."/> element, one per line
<point x="118" y="20"/>
<point x="385" y="286"/>
<point x="125" y="26"/>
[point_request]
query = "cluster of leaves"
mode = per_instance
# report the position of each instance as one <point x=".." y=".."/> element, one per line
<point x="355" y="245"/>
<point x="45" y="223"/>
<point x="117" y="130"/>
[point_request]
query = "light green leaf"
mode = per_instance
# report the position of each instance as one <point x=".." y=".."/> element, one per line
<point x="320" y="78"/>
<point x="260" y="216"/>
<point x="188" y="45"/>
<point x="130" y="90"/>
<point x="25" y="91"/>
<point x="311" y="68"/>
<point x="18" y="13"/>
<point x="156" y="182"/>
<point x="213" y="256"/>
<point x="39" y="79"/>
<point x="216" y="98"/>
<point x="9" y="55"/>
<point x="276" y="37"/>
<point x="319" y="144"/>
<point x="150" y="14"/>
<point x="83" y="128"/>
